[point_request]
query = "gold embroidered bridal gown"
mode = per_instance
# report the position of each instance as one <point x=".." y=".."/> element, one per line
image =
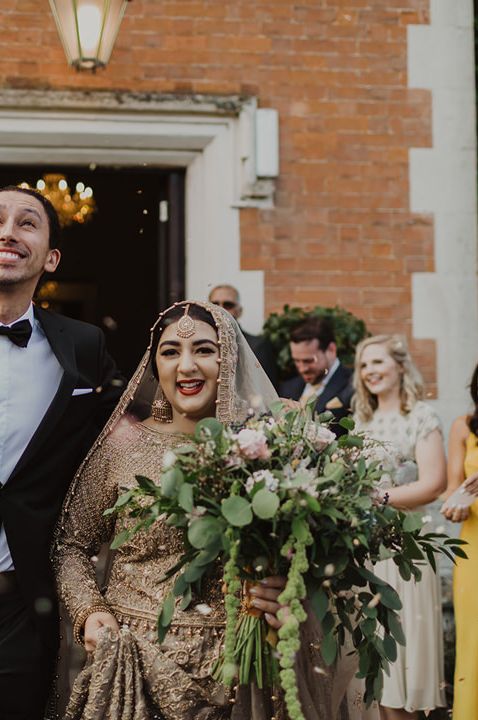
<point x="130" y="676"/>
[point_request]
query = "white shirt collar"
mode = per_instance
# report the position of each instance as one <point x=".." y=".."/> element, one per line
<point x="332" y="369"/>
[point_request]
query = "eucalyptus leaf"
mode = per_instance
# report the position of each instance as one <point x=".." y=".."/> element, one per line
<point x="171" y="480"/>
<point x="349" y="441"/>
<point x="237" y="511"/>
<point x="120" y="539"/>
<point x="370" y="577"/>
<point x="412" y="522"/>
<point x="193" y="572"/>
<point x="378" y="685"/>
<point x="213" y="428"/>
<point x="389" y="597"/>
<point x="123" y="499"/>
<point x="146" y="484"/>
<point x="180" y="585"/>
<point x="313" y="504"/>
<point x="347" y="423"/>
<point x="187" y="597"/>
<point x="208" y="555"/>
<point x="265" y="504"/>
<point x="404" y="570"/>
<point x="167" y="610"/>
<point x="390" y="647"/>
<point x="396" y="628"/>
<point x="328" y="648"/>
<point x="320" y="603"/>
<point x="328" y="623"/>
<point x="204" y="531"/>
<point x="185" y="497"/>
<point x="368" y="627"/>
<point x="334" y="471"/>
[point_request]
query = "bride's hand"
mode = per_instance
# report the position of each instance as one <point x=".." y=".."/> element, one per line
<point x="94" y="623"/>
<point x="264" y="597"/>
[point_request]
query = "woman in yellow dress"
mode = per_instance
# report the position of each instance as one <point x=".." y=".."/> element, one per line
<point x="463" y="464"/>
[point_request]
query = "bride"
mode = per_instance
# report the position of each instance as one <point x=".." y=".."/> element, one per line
<point x="197" y="364"/>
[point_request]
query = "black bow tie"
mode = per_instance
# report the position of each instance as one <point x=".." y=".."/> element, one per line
<point x="19" y="333"/>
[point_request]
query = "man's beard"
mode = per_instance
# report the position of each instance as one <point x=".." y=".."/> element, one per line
<point x="320" y="377"/>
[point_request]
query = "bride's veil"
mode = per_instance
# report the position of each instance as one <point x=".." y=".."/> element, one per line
<point x="243" y="386"/>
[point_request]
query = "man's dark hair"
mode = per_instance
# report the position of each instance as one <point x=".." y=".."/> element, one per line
<point x="52" y="215"/>
<point x="314" y="328"/>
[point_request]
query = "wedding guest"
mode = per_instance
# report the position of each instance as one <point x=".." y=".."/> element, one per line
<point x="462" y="464"/>
<point x="227" y="297"/>
<point x="320" y="372"/>
<point x="388" y="407"/>
<point x="197" y="364"/>
<point x="57" y="388"/>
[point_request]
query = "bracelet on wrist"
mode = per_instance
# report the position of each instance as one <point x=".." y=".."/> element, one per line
<point x="82" y="617"/>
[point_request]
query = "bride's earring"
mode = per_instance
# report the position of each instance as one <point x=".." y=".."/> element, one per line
<point x="161" y="409"/>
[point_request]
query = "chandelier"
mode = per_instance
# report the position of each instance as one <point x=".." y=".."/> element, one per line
<point x="71" y="207"/>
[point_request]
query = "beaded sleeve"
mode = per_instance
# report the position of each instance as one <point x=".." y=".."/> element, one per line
<point x="82" y="530"/>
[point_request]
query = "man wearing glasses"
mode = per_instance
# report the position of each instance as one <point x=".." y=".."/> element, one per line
<point x="228" y="297"/>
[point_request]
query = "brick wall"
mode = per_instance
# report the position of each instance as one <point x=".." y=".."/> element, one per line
<point x="341" y="231"/>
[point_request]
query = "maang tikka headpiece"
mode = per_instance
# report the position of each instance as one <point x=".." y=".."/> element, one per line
<point x="186" y="325"/>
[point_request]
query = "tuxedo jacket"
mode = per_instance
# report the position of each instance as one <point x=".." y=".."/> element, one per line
<point x="338" y="392"/>
<point x="31" y="500"/>
<point x="264" y="352"/>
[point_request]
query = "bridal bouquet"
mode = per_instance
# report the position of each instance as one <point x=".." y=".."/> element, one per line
<point x="280" y="495"/>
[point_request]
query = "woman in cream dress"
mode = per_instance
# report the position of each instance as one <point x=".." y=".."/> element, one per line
<point x="388" y="408"/>
<point x="198" y="364"/>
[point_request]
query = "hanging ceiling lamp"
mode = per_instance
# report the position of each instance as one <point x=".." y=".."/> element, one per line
<point x="88" y="29"/>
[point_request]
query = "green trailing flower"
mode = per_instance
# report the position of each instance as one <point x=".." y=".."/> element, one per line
<point x="292" y="616"/>
<point x="232" y="602"/>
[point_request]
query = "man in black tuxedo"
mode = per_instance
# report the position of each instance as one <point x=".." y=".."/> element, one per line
<point x="228" y="297"/>
<point x="321" y="374"/>
<point x="58" y="386"/>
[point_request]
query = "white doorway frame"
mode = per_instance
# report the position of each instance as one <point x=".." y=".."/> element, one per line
<point x="213" y="138"/>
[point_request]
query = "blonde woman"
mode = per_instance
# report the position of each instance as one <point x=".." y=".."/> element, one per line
<point x="388" y="407"/>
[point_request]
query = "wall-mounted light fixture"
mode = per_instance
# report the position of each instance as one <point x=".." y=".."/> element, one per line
<point x="88" y="29"/>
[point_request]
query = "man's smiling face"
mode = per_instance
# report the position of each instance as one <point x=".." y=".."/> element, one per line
<point x="24" y="240"/>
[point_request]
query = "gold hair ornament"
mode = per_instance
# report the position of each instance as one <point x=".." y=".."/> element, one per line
<point x="186" y="325"/>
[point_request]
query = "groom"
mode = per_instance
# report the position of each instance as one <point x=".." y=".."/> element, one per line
<point x="58" y="386"/>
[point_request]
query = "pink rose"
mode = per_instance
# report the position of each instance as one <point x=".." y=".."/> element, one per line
<point x="253" y="444"/>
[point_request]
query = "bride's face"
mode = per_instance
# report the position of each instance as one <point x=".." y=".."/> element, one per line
<point x="188" y="369"/>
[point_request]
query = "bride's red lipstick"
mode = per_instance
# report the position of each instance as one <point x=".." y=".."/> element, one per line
<point x="190" y="387"/>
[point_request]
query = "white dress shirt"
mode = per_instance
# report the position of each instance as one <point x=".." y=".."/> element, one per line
<point x="317" y="390"/>
<point x="29" y="380"/>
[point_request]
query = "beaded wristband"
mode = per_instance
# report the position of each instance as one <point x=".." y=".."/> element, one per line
<point x="81" y="618"/>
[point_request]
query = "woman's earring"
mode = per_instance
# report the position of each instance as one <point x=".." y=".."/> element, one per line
<point x="161" y="409"/>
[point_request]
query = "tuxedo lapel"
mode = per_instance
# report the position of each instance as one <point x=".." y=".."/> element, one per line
<point x="62" y="345"/>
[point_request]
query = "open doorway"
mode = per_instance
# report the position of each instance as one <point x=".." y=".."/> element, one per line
<point x="124" y="265"/>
